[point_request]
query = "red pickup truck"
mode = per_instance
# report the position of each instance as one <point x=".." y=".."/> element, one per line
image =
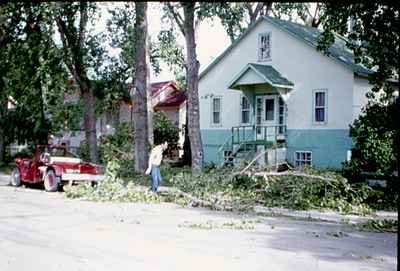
<point x="53" y="166"/>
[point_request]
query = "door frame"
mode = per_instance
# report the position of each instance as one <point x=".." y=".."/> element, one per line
<point x="263" y="98"/>
<point x="260" y="120"/>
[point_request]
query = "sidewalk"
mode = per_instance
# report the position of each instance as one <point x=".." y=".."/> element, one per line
<point x="329" y="216"/>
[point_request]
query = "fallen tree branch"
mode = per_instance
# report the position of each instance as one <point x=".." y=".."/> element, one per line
<point x="292" y="173"/>
<point x="252" y="161"/>
<point x="194" y="201"/>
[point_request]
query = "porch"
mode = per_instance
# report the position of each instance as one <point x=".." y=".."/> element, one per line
<point x="263" y="114"/>
<point x="247" y="141"/>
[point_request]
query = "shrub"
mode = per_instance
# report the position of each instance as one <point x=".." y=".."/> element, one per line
<point x="164" y="130"/>
<point x="374" y="136"/>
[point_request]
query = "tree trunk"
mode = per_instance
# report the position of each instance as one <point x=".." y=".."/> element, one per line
<point x="140" y="94"/>
<point x="192" y="72"/>
<point x="89" y="120"/>
<point x="150" y="110"/>
<point x="3" y="108"/>
<point x="74" y="41"/>
<point x="187" y="154"/>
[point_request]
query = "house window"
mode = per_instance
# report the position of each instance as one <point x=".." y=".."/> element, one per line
<point x="320" y="106"/>
<point x="264" y="47"/>
<point x="216" y="110"/>
<point x="245" y="110"/>
<point x="269" y="109"/>
<point x="302" y="158"/>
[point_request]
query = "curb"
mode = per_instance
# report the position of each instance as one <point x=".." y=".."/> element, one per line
<point x="328" y="216"/>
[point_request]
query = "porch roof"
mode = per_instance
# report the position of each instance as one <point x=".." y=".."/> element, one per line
<point x="254" y="74"/>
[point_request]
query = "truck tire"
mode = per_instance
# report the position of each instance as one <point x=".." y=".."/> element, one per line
<point x="15" y="179"/>
<point x="51" y="181"/>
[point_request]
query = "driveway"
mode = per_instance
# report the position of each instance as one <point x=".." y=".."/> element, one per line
<point x="45" y="231"/>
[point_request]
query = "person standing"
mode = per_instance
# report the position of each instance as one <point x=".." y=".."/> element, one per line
<point x="154" y="165"/>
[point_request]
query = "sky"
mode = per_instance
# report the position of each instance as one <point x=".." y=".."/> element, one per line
<point x="212" y="38"/>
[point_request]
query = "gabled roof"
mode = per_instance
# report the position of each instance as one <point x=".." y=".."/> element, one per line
<point x="266" y="73"/>
<point x="171" y="95"/>
<point x="157" y="87"/>
<point x="308" y="35"/>
<point x="174" y="99"/>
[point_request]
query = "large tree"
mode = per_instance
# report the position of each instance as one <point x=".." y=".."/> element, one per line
<point x="80" y="52"/>
<point x="193" y="14"/>
<point x="31" y="73"/>
<point x="141" y="85"/>
<point x="3" y="70"/>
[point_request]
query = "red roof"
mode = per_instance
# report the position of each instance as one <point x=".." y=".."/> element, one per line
<point x="174" y="96"/>
<point x="175" y="99"/>
<point x="155" y="88"/>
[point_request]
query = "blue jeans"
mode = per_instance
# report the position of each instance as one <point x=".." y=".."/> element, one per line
<point x="155" y="177"/>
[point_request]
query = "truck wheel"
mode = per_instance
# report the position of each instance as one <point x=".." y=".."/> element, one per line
<point x="51" y="181"/>
<point x="15" y="179"/>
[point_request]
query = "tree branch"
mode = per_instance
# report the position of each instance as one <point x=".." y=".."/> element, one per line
<point x="316" y="22"/>
<point x="290" y="173"/>
<point x="178" y="18"/>
<point x="249" y="10"/>
<point x="259" y="7"/>
<point x="82" y="23"/>
<point x="62" y="30"/>
<point x="268" y="8"/>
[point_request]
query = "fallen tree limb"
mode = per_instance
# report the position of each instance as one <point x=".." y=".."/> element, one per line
<point x="292" y="173"/>
<point x="194" y="201"/>
<point x="252" y="161"/>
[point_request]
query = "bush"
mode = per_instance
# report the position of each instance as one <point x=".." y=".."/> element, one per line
<point x="374" y="136"/>
<point x="119" y="145"/>
<point x="164" y="130"/>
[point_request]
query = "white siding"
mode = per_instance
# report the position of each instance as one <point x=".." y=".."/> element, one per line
<point x="307" y="68"/>
<point x="361" y="87"/>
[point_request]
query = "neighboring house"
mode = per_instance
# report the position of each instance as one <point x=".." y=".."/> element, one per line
<point x="272" y="89"/>
<point x="166" y="97"/>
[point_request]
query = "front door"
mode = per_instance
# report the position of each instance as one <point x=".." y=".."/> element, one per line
<point x="266" y="117"/>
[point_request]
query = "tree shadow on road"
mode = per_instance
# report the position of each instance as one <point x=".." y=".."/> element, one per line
<point x="328" y="241"/>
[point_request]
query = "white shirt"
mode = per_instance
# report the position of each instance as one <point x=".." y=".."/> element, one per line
<point x="156" y="156"/>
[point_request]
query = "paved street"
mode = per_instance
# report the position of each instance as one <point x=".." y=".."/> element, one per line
<point x="45" y="231"/>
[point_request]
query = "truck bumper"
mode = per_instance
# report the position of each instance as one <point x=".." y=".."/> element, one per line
<point x="82" y="177"/>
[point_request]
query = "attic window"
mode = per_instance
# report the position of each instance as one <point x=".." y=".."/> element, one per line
<point x="264" y="47"/>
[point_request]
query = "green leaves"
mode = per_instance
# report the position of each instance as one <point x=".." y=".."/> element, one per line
<point x="34" y="76"/>
<point x="374" y="38"/>
<point x="374" y="135"/>
<point x="168" y="50"/>
<point x="164" y="130"/>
